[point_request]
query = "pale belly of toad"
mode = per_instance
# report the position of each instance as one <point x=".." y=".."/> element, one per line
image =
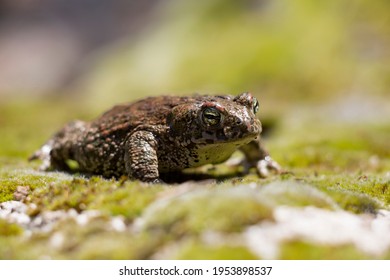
<point x="179" y="159"/>
<point x="214" y="153"/>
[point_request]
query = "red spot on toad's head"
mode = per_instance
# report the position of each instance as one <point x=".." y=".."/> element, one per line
<point x="215" y="105"/>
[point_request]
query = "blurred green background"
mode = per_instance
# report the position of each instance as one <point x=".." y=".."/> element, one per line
<point x="103" y="53"/>
<point x="295" y="50"/>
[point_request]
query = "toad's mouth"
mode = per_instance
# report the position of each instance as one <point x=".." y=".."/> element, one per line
<point x="231" y="137"/>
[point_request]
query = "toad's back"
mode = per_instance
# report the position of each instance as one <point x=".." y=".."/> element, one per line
<point x="98" y="146"/>
<point x="149" y="111"/>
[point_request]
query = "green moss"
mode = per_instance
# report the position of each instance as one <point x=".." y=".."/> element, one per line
<point x="356" y="193"/>
<point x="298" y="250"/>
<point x="7" y="248"/>
<point x="68" y="240"/>
<point x="98" y="241"/>
<point x="129" y="200"/>
<point x="113" y="197"/>
<point x="347" y="162"/>
<point x="387" y="255"/>
<point x="226" y="210"/>
<point x="296" y="194"/>
<point x="17" y="174"/>
<point x="195" y="250"/>
<point x="8" y="229"/>
<point x="337" y="147"/>
<point x="116" y="246"/>
<point x="355" y="202"/>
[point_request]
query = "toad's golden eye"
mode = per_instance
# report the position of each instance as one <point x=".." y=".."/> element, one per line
<point x="211" y="116"/>
<point x="255" y="105"/>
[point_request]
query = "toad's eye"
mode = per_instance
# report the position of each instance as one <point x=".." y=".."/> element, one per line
<point x="211" y="116"/>
<point x="255" y="105"/>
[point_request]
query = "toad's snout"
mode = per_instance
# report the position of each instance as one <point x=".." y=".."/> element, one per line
<point x="242" y="129"/>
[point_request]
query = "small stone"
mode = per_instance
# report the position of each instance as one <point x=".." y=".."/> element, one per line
<point x="118" y="224"/>
<point x="374" y="161"/>
<point x="14" y="212"/>
<point x="85" y="217"/>
<point x="57" y="240"/>
<point x="21" y="193"/>
<point x="320" y="226"/>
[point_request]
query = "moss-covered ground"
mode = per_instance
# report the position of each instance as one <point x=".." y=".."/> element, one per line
<point x="337" y="167"/>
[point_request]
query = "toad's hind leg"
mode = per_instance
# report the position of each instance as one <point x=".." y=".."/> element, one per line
<point x="60" y="148"/>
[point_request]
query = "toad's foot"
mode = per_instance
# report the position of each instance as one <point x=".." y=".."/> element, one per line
<point x="43" y="154"/>
<point x="266" y="166"/>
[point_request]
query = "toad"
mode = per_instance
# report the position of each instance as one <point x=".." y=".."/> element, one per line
<point x="161" y="134"/>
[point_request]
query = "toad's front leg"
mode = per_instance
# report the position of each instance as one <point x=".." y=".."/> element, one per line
<point x="257" y="156"/>
<point x="141" y="157"/>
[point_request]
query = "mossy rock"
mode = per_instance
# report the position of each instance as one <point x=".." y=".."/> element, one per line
<point x="110" y="196"/>
<point x="198" y="250"/>
<point x="336" y="167"/>
<point x="9" y="229"/>
<point x="300" y="250"/>
<point x="225" y="210"/>
<point x="68" y="240"/>
<point x="356" y="193"/>
<point x="355" y="202"/>
<point x="296" y="194"/>
<point x="98" y="241"/>
<point x="20" y="175"/>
